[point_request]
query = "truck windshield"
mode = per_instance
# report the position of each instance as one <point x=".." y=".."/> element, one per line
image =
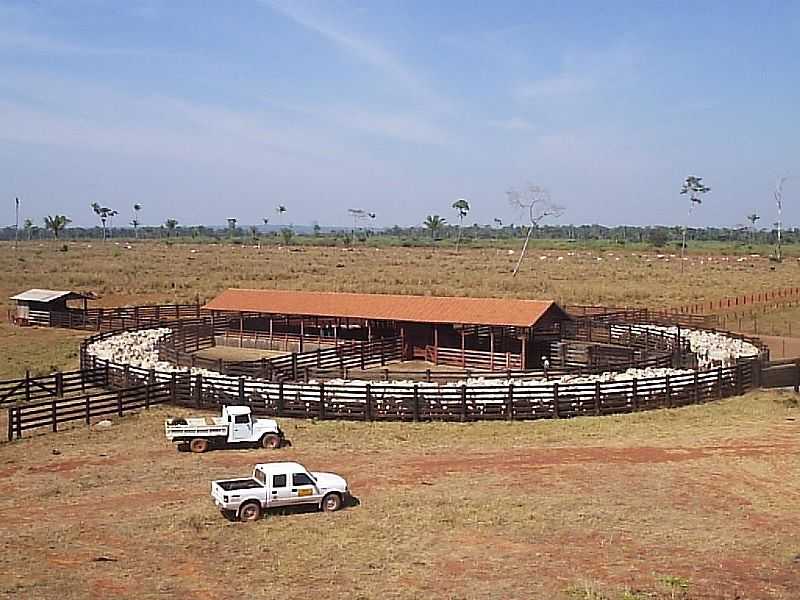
<point x="260" y="477"/>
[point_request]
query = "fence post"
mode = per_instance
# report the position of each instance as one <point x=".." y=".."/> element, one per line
<point x="635" y="395"/>
<point x="10" y="423"/>
<point x="463" y="402"/>
<point x="696" y="387"/>
<point x="54" y="416"/>
<point x="361" y="349"/>
<point x="241" y="390"/>
<point x="19" y="422"/>
<point x="510" y="403"/>
<point x="368" y="405"/>
<point x="416" y="403"/>
<point x="797" y="376"/>
<point x="198" y="390"/>
<point x="739" y="382"/>
<point x="668" y="391"/>
<point x="119" y="403"/>
<point x="319" y="358"/>
<point x="719" y="382"/>
<point x="322" y="411"/>
<point x="556" y="413"/>
<point x="597" y="398"/>
<point x="294" y="366"/>
<point x="173" y="388"/>
<point x="147" y="392"/>
<point x="59" y="377"/>
<point x="27" y="386"/>
<point x="279" y="405"/>
<point x="88" y="408"/>
<point x="106" y="375"/>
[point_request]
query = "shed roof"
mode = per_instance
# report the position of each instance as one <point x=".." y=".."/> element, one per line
<point x="385" y="307"/>
<point x="39" y="295"/>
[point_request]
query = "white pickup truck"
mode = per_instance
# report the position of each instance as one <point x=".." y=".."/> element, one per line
<point x="235" y="426"/>
<point x="278" y="484"/>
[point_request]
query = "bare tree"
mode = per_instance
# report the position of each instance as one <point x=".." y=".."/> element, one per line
<point x="695" y="187"/>
<point x="779" y="203"/>
<point x="535" y="202"/>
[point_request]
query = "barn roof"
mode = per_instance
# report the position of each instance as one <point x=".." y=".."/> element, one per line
<point x="40" y="295"/>
<point x="385" y="307"/>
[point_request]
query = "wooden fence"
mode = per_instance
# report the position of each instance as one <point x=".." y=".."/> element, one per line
<point x="782" y="295"/>
<point x="56" y="385"/>
<point x="55" y="412"/>
<point x="124" y="317"/>
<point x="473" y="359"/>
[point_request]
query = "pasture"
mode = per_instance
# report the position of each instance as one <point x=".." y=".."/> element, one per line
<point x="697" y="502"/>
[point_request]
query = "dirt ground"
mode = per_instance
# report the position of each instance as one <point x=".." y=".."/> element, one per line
<point x="699" y="502"/>
<point x="781" y="346"/>
<point x="231" y="353"/>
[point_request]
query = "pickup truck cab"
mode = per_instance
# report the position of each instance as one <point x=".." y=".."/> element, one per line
<point x="235" y="426"/>
<point x="278" y="484"/>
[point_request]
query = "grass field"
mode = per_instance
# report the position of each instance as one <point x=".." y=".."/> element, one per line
<point x="693" y="503"/>
<point x="698" y="502"/>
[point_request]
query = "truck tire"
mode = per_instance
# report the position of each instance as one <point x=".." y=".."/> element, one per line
<point x="332" y="502"/>
<point x="249" y="512"/>
<point x="198" y="445"/>
<point x="271" y="441"/>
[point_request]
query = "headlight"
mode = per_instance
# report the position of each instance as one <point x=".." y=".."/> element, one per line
<point x="224" y="498"/>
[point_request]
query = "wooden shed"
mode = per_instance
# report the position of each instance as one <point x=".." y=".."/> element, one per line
<point x="34" y="307"/>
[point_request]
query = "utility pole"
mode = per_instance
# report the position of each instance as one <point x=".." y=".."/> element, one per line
<point x="16" y="223"/>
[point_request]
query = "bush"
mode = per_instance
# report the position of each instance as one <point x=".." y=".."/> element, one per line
<point x="658" y="237"/>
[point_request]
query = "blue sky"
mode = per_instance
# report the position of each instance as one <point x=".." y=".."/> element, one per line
<point x="204" y="110"/>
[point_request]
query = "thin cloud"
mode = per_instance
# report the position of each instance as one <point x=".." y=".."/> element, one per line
<point x="560" y="86"/>
<point x="364" y="49"/>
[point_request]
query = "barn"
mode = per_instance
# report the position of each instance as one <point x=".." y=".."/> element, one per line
<point x="489" y="333"/>
<point x="34" y="307"/>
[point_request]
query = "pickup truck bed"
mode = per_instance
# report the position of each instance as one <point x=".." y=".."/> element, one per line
<point x="230" y="485"/>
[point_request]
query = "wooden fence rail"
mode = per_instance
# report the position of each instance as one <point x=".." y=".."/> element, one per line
<point x="55" y="412"/>
<point x="56" y="385"/>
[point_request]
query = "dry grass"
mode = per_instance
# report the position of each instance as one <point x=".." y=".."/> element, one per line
<point x="613" y="507"/>
<point x="704" y="494"/>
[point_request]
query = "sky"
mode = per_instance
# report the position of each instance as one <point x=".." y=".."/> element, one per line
<point x="205" y="110"/>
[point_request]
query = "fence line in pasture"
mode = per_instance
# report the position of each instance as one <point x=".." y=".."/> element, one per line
<point x="57" y="385"/>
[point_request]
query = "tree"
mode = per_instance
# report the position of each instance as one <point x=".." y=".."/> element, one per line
<point x="462" y="208"/>
<point x="695" y="187"/>
<point x="135" y="221"/>
<point x="170" y="224"/>
<point x="434" y="224"/>
<point x="779" y="224"/>
<point x="254" y="235"/>
<point x="753" y="217"/>
<point x="287" y="233"/>
<point x="27" y="227"/>
<point x="56" y="224"/>
<point x="104" y="213"/>
<point x="536" y="201"/>
<point x="231" y="226"/>
<point x="658" y="237"/>
<point x="359" y="214"/>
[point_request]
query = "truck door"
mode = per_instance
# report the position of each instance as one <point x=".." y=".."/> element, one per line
<point x="240" y="428"/>
<point x="304" y="489"/>
<point x="279" y="492"/>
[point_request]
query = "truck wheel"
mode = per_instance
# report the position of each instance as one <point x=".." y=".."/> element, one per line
<point x="271" y="441"/>
<point x="249" y="511"/>
<point x="198" y="445"/>
<point x="332" y="502"/>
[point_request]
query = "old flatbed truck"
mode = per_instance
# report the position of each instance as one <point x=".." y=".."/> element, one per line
<point x="236" y="426"/>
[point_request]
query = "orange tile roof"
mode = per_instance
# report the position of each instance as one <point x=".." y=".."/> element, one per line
<point x="415" y="309"/>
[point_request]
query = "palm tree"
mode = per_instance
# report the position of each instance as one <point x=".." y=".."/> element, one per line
<point x="231" y="226"/>
<point x="27" y="227"/>
<point x="105" y="214"/>
<point x="170" y="224"/>
<point x="135" y="221"/>
<point x="56" y="224"/>
<point x="462" y="208"/>
<point x="280" y="210"/>
<point x="434" y="224"/>
<point x="753" y="217"/>
<point x="695" y="187"/>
